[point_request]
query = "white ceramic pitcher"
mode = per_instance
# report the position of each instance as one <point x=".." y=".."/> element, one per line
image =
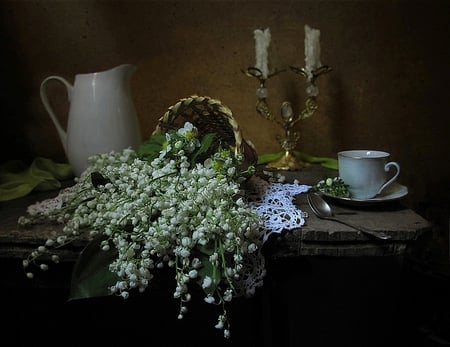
<point x="102" y="117"/>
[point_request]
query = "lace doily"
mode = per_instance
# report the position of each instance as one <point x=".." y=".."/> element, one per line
<point x="274" y="201"/>
<point x="253" y="274"/>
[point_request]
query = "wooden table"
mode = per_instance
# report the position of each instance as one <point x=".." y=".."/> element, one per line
<point x="318" y="277"/>
<point x="320" y="237"/>
<point x="317" y="237"/>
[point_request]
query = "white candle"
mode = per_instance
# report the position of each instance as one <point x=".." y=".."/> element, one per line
<point x="312" y="49"/>
<point x="262" y="42"/>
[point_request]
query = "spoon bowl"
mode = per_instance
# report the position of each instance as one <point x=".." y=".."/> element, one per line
<point x="324" y="211"/>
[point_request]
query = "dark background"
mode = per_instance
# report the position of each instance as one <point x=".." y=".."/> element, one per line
<point x="389" y="90"/>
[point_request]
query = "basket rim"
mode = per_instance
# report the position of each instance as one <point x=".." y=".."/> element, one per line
<point x="189" y="104"/>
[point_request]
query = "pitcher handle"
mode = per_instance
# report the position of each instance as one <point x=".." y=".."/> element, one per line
<point x="393" y="178"/>
<point x="61" y="132"/>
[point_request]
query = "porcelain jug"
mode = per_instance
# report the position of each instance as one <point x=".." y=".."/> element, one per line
<point x="101" y="118"/>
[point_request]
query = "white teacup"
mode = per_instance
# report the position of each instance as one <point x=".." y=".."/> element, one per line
<point x="365" y="172"/>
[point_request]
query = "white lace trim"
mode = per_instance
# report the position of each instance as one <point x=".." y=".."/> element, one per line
<point x="253" y="274"/>
<point x="46" y="206"/>
<point x="274" y="201"/>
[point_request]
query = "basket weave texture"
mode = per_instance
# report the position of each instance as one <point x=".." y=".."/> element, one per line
<point x="209" y="115"/>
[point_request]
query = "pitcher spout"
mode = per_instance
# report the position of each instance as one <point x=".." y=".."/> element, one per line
<point x="125" y="70"/>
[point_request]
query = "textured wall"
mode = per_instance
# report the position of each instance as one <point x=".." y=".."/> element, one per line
<point x="388" y="88"/>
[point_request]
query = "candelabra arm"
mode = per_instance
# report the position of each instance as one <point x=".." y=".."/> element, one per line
<point x="257" y="73"/>
<point x="312" y="75"/>
<point x="263" y="109"/>
<point x="310" y="108"/>
<point x="262" y="106"/>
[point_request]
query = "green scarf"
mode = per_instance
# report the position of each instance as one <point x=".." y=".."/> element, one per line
<point x="17" y="179"/>
<point x="329" y="163"/>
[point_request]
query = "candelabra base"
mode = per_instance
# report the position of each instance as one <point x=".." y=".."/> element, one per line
<point x="288" y="162"/>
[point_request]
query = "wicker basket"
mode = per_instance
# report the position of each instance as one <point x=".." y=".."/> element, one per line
<point x="209" y="116"/>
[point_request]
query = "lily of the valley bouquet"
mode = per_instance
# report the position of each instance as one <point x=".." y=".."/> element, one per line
<point x="177" y="203"/>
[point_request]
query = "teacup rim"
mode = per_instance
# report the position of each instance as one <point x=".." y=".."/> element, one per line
<point x="363" y="154"/>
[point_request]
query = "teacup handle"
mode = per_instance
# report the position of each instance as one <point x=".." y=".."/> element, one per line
<point x="61" y="132"/>
<point x="393" y="178"/>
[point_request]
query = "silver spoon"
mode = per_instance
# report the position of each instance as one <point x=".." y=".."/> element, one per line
<point x="322" y="210"/>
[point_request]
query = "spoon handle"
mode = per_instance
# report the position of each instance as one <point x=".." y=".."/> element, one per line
<point x="378" y="234"/>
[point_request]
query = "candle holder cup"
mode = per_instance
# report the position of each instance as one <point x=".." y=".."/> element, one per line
<point x="288" y="161"/>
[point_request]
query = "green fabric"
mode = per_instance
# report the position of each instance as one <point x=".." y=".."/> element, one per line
<point x="329" y="163"/>
<point x="17" y="179"/>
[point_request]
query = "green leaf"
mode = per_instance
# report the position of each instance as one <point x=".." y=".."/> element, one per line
<point x="205" y="145"/>
<point x="207" y="249"/>
<point x="267" y="158"/>
<point x="98" y="179"/>
<point x="329" y="163"/>
<point x="209" y="270"/>
<point x="150" y="149"/>
<point x="91" y="276"/>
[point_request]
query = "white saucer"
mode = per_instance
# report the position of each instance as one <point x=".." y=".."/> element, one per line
<point x="394" y="192"/>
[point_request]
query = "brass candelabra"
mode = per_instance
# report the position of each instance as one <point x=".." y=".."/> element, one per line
<point x="288" y="161"/>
